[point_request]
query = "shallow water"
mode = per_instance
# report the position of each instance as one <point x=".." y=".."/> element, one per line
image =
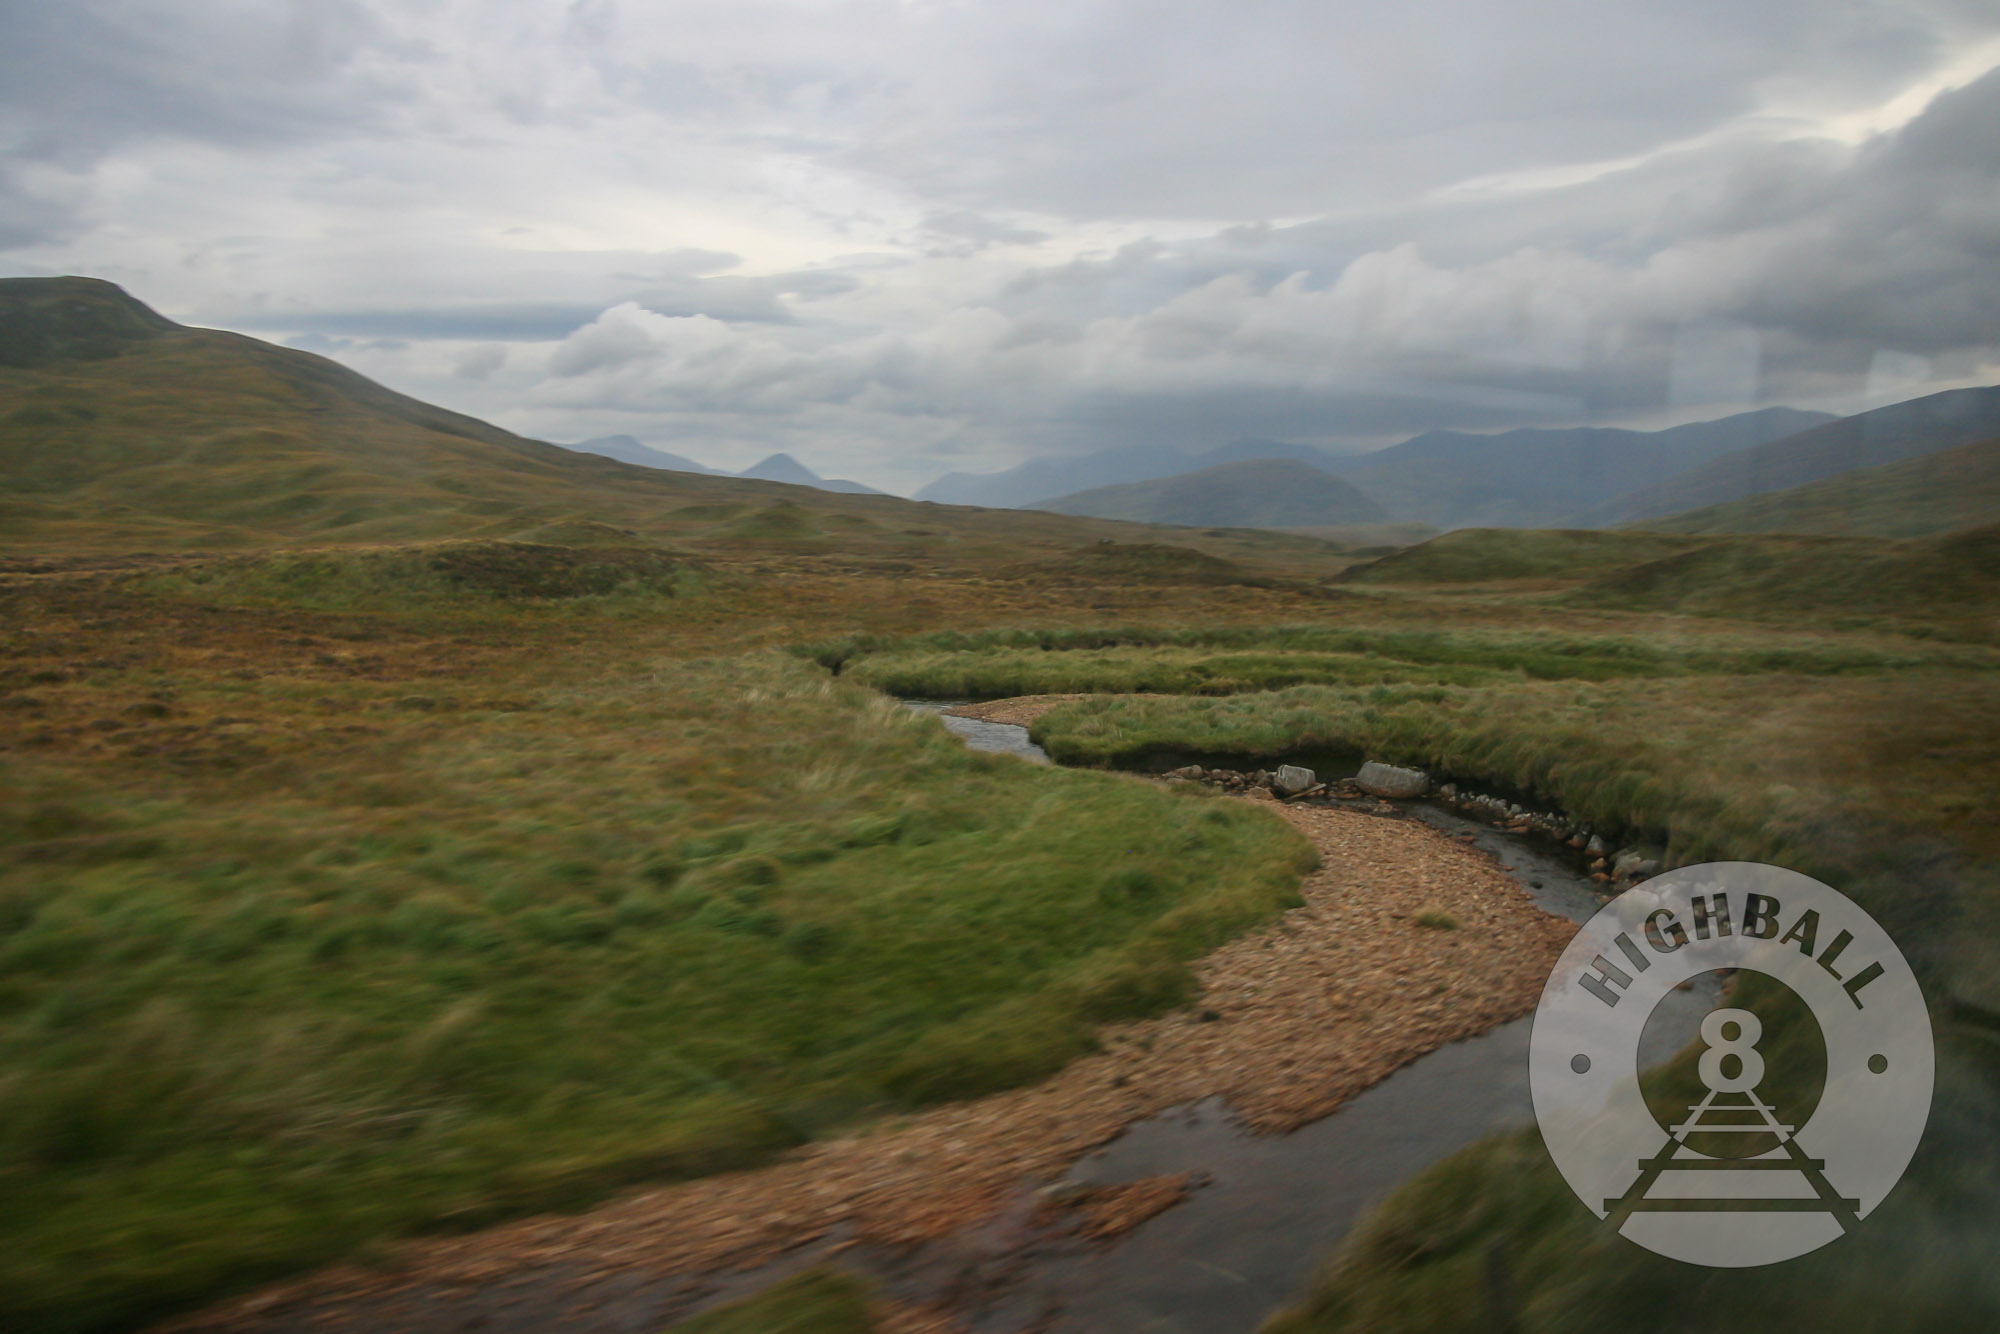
<point x="999" y="738"/>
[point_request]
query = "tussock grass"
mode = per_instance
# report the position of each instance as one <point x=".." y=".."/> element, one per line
<point x="999" y="673"/>
<point x="411" y="577"/>
<point x="505" y="953"/>
<point x="1756" y="768"/>
<point x="1210" y="659"/>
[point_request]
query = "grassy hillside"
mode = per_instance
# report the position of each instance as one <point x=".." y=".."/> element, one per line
<point x="1931" y="579"/>
<point x="121" y="431"/>
<point x="1485" y="555"/>
<point x="1866" y="440"/>
<point x="1944" y="585"/>
<point x="1262" y="493"/>
<point x="1934" y="493"/>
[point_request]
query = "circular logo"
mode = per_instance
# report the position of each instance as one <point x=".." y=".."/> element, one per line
<point x="1800" y="1093"/>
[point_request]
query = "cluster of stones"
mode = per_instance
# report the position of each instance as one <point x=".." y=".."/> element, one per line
<point x="1230" y="780"/>
<point x="1626" y="866"/>
<point x="1609" y="865"/>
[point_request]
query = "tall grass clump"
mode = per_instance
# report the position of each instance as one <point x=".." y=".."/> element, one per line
<point x="463" y="963"/>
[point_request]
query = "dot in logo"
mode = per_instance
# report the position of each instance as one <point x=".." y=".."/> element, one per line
<point x="1780" y="1128"/>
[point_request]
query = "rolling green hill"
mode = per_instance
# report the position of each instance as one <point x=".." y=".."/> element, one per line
<point x="1950" y="580"/>
<point x="1485" y="555"/>
<point x="1261" y="493"/>
<point x="1933" y="493"/>
<point x="119" y="427"/>
<point x="1753" y="575"/>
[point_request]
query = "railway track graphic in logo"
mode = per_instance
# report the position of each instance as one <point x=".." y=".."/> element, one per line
<point x="1808" y="1090"/>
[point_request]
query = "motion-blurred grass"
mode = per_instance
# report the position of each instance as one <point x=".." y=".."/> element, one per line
<point x="363" y="939"/>
<point x="819" y="1301"/>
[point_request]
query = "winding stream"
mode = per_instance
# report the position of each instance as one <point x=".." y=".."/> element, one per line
<point x="1275" y="1207"/>
<point x="978" y="734"/>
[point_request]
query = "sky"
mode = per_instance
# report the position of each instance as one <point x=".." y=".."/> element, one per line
<point x="900" y="238"/>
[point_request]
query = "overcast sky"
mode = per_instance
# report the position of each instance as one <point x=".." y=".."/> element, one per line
<point x="904" y="237"/>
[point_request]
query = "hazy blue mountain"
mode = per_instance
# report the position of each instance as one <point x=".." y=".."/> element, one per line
<point x="626" y="449"/>
<point x="775" y="468"/>
<point x="1535" y="478"/>
<point x="1038" y="479"/>
<point x="1900" y="431"/>
<point x="1255" y="493"/>
<point x="785" y="468"/>
<point x="1447" y="479"/>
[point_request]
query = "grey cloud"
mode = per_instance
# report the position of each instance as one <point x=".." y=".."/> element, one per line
<point x="963" y="232"/>
<point x="1185" y="110"/>
<point x="86" y="74"/>
<point x="480" y="362"/>
<point x="755" y="300"/>
<point x="501" y="320"/>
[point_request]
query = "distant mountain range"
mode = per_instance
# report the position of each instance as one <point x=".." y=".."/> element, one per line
<point x="1259" y="493"/>
<point x="775" y="468"/>
<point x="1543" y="478"/>
<point x="1447" y="479"/>
<point x="1892" y="434"/>
<point x="1039" y="479"/>
<point x="1701" y="477"/>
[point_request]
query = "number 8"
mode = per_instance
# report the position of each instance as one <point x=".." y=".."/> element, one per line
<point x="1750" y="1064"/>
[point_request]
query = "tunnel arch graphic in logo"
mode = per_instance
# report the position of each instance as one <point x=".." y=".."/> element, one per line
<point x="1811" y="1087"/>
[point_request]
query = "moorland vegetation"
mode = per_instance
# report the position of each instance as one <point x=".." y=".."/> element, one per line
<point x="405" y="825"/>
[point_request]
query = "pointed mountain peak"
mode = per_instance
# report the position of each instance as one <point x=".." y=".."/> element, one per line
<point x="782" y="468"/>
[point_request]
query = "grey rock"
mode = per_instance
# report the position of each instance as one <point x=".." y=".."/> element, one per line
<point x="1449" y="792"/>
<point x="1632" y="864"/>
<point x="1292" y="780"/>
<point x="1388" y="780"/>
<point x="1596" y="847"/>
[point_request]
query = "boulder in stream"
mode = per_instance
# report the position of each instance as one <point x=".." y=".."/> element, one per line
<point x="1292" y="780"/>
<point x="1388" y="780"/>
